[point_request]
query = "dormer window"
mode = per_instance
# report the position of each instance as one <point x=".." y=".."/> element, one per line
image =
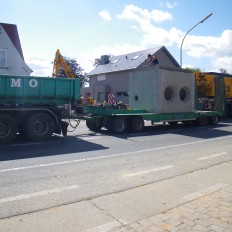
<point x="136" y="57"/>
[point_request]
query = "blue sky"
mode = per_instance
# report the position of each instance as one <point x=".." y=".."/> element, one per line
<point x="85" y="30"/>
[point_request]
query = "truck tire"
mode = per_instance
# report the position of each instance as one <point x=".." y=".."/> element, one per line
<point x="203" y="120"/>
<point x="39" y="127"/>
<point x="8" y="128"/>
<point x="213" y="120"/>
<point x="117" y="125"/>
<point x="136" y="124"/>
<point x="93" y="125"/>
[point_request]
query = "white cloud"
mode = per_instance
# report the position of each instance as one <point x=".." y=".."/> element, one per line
<point x="133" y="12"/>
<point x="171" y="4"/>
<point x="223" y="62"/>
<point x="86" y="60"/>
<point x="210" y="46"/>
<point x="217" y="49"/>
<point x="39" y="65"/>
<point x="104" y="14"/>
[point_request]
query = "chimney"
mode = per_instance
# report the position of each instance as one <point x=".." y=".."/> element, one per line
<point x="105" y="59"/>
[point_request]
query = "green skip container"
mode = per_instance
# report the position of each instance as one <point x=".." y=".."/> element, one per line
<point x="38" y="90"/>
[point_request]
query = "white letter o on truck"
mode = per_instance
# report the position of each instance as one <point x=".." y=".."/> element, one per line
<point x="33" y="83"/>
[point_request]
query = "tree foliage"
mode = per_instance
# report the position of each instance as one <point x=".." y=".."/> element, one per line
<point x="76" y="69"/>
<point x="222" y="70"/>
<point x="195" y="69"/>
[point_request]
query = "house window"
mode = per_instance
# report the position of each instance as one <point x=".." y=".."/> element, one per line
<point x="122" y="94"/>
<point x="101" y="96"/>
<point x="101" y="77"/>
<point x="3" y="57"/>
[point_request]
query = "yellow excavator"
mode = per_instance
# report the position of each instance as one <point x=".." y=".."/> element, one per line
<point x="59" y="61"/>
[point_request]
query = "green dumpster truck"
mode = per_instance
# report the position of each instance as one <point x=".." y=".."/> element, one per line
<point x="35" y="106"/>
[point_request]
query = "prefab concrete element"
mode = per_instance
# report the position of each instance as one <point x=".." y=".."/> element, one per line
<point x="162" y="90"/>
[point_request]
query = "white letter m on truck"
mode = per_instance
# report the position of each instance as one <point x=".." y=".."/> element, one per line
<point x="15" y="82"/>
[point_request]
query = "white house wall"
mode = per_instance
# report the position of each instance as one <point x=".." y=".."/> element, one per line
<point x="15" y="63"/>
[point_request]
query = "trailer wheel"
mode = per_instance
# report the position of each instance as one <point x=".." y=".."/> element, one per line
<point x="117" y="125"/>
<point x="203" y="120"/>
<point x="213" y="120"/>
<point x="40" y="127"/>
<point x="8" y="128"/>
<point x="93" y="125"/>
<point x="136" y="124"/>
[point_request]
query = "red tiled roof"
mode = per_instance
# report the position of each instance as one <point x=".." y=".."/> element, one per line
<point x="12" y="32"/>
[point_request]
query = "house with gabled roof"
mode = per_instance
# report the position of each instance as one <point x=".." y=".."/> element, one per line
<point x="11" y="55"/>
<point x="112" y="75"/>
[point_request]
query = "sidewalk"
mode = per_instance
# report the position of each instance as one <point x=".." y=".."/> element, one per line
<point x="212" y="212"/>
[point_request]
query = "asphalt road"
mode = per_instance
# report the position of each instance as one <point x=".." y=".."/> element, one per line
<point x="85" y="165"/>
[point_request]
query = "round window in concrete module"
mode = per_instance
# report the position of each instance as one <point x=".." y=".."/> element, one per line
<point x="184" y="94"/>
<point x="169" y="94"/>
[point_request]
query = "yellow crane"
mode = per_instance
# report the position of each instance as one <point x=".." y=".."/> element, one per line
<point x="59" y="61"/>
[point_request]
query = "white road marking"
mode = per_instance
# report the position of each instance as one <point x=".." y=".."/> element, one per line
<point x="36" y="194"/>
<point x="212" y="156"/>
<point x="111" y="156"/>
<point x="149" y="171"/>
<point x="205" y="191"/>
<point x="90" y="138"/>
<point x="106" y="227"/>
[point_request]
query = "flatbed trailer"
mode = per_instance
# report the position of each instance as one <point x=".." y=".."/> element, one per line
<point x="118" y="121"/>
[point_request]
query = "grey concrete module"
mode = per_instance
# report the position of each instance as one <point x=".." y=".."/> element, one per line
<point x="160" y="90"/>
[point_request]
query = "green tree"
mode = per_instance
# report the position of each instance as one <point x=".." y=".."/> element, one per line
<point x="195" y="69"/>
<point x="76" y="69"/>
<point x="222" y="70"/>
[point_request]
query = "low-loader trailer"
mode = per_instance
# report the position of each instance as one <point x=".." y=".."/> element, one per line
<point x="38" y="107"/>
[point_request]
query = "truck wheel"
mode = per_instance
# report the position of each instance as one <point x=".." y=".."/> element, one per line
<point x="93" y="125"/>
<point x="202" y="120"/>
<point x="136" y="124"/>
<point x="213" y="120"/>
<point x="117" y="125"/>
<point x="8" y="128"/>
<point x="40" y="127"/>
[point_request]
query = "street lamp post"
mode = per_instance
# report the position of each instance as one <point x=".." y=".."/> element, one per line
<point x="203" y="20"/>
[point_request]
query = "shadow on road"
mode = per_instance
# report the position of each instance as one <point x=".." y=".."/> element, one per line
<point x="24" y="149"/>
<point x="206" y="132"/>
